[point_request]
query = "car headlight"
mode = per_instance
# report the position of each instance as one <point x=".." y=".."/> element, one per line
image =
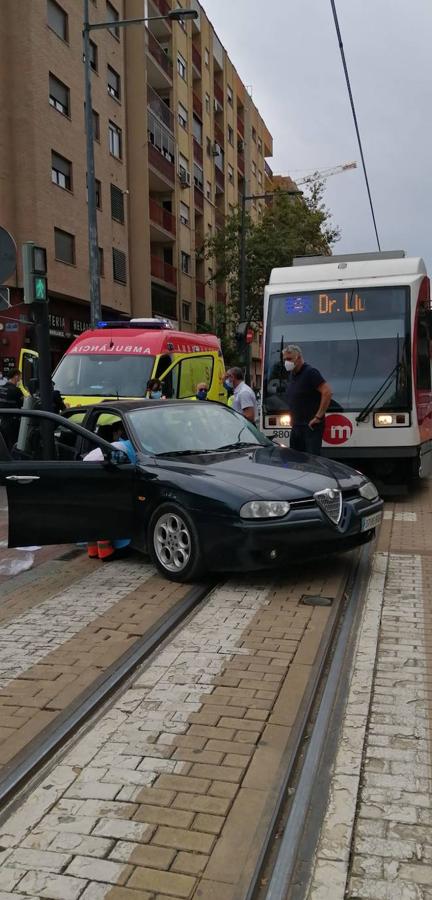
<point x="368" y="491"/>
<point x="264" y="509"/>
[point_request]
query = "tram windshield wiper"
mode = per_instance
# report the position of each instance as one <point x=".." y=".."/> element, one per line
<point x="370" y="405"/>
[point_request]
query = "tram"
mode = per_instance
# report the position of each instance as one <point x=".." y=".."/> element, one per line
<point x="365" y="321"/>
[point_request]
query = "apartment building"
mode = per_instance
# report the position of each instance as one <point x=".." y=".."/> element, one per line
<point x="177" y="139"/>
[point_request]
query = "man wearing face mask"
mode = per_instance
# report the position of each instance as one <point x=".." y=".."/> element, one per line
<point x="154" y="390"/>
<point x="309" y="397"/>
<point x="201" y="391"/>
<point x="244" y="401"/>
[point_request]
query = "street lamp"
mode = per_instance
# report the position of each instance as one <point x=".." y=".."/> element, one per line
<point x="176" y="15"/>
<point x="242" y="303"/>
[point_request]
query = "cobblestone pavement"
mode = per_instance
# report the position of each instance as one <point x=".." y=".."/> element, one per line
<point x="376" y="841"/>
<point x="169" y="792"/>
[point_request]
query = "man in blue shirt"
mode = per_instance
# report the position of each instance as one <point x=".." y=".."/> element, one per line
<point x="309" y="397"/>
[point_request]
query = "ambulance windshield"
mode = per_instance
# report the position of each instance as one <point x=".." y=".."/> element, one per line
<point x="101" y="375"/>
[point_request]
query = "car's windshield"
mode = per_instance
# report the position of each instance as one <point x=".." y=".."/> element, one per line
<point x="356" y="338"/>
<point x="176" y="428"/>
<point x="101" y="375"/>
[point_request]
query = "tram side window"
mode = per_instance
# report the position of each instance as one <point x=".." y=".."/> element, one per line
<point x="424" y="381"/>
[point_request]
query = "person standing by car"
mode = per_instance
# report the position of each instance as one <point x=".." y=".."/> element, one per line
<point x="154" y="390"/>
<point x="244" y="398"/>
<point x="201" y="391"/>
<point x="309" y="397"/>
<point x="11" y="397"/>
<point x="110" y="550"/>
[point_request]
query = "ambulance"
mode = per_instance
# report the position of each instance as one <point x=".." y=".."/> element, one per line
<point x="117" y="359"/>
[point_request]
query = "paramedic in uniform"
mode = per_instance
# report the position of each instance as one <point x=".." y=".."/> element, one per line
<point x="309" y="397"/>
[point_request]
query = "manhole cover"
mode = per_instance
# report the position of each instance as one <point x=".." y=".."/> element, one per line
<point x="316" y="600"/>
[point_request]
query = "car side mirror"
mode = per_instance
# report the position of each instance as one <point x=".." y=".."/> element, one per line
<point x="116" y="457"/>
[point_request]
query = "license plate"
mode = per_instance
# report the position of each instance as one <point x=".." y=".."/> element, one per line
<point x="282" y="433"/>
<point x="371" y="521"/>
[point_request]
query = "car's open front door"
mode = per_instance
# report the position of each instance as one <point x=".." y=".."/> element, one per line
<point x="66" y="501"/>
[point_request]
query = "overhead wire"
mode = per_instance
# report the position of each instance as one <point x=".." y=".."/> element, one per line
<point x="347" y="79"/>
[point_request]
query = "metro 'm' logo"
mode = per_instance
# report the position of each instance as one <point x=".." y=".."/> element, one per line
<point x="337" y="429"/>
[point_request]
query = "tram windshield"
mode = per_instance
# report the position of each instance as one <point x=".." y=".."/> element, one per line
<point x="357" y="338"/>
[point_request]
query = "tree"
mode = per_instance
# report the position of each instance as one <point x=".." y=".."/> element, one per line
<point x="288" y="226"/>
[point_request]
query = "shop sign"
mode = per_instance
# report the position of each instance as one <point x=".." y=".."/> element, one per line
<point x="78" y="326"/>
<point x="56" y="325"/>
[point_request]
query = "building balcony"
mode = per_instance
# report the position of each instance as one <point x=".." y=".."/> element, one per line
<point x="163" y="271"/>
<point x="220" y="181"/>
<point x="159" y="108"/>
<point x="197" y="105"/>
<point x="240" y="163"/>
<point x="159" y="67"/>
<point x="199" y="200"/>
<point x="268" y="171"/>
<point x="196" y="61"/>
<point x="240" y="126"/>
<point x="162" y="222"/>
<point x="219" y="135"/>
<point x="161" y="170"/>
<point x="219" y="219"/>
<point x="200" y="290"/>
<point x="160" y="27"/>
<point x="197" y="152"/>
<point x="219" y="94"/>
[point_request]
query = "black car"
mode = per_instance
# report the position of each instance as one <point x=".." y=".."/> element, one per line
<point x="206" y="491"/>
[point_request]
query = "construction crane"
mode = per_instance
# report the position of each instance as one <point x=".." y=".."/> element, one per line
<point x="325" y="173"/>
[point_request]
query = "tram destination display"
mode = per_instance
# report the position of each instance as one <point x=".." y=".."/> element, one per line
<point x="340" y="305"/>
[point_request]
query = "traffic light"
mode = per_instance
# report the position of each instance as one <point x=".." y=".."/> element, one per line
<point x="34" y="273"/>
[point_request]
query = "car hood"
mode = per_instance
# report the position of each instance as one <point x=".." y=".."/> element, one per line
<point x="268" y="472"/>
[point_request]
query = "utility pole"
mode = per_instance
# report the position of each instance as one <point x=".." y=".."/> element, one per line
<point x="95" y="297"/>
<point x="36" y="294"/>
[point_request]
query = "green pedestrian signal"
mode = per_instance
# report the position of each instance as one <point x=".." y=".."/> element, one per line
<point x="40" y="291"/>
<point x="35" y="281"/>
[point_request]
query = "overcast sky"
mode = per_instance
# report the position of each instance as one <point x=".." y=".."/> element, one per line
<point x="287" y="51"/>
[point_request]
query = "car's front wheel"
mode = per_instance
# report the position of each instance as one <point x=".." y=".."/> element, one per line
<point x="174" y="544"/>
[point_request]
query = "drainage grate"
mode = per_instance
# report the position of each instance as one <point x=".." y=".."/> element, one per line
<point x="316" y="600"/>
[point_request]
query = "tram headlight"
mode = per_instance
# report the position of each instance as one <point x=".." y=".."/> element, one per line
<point x="383" y="419"/>
<point x="368" y="491"/>
<point x="285" y="421"/>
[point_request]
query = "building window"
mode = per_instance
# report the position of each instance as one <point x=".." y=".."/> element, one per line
<point x="114" y="83"/>
<point x="197" y="130"/>
<point x="59" y="95"/>
<point x="119" y="266"/>
<point x="207" y="103"/>
<point x="112" y="16"/>
<point x="182" y="66"/>
<point x="254" y="134"/>
<point x="200" y="313"/>
<point x="184" y="213"/>
<point x="64" y="246"/>
<point x="115" y="140"/>
<point x="185" y="262"/>
<point x="206" y="57"/>
<point x="254" y="168"/>
<point x="259" y="145"/>
<point x="208" y="190"/>
<point x="230" y="174"/>
<point x="101" y="262"/>
<point x="208" y="147"/>
<point x="259" y="177"/>
<point x="160" y="137"/>
<point x="58" y="20"/>
<point x="93" y="56"/>
<point x="117" y="204"/>
<point x="198" y="177"/>
<point x="230" y="97"/>
<point x="98" y="192"/>
<point x="183" y="165"/>
<point x="186" y="308"/>
<point x="61" y="171"/>
<point x="182" y="115"/>
<point x="230" y="135"/>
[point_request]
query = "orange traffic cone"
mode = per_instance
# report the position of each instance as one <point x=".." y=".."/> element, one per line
<point x="92" y="550"/>
<point x="106" y="550"/>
